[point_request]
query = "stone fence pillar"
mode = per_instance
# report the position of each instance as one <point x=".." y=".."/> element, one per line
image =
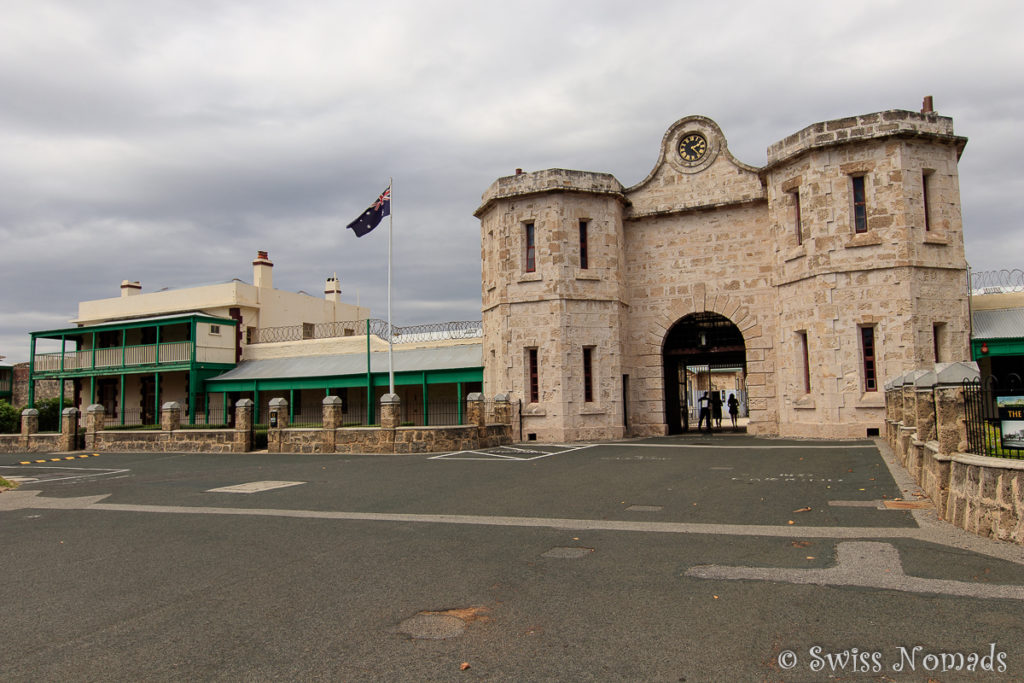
<point x="29" y="426"/>
<point x="924" y="406"/>
<point x="69" y="429"/>
<point x="278" y="420"/>
<point x="951" y="418"/>
<point x="95" y="419"/>
<point x="390" y="410"/>
<point x="243" y="426"/>
<point x="502" y="409"/>
<point x="475" y="409"/>
<point x="333" y="418"/>
<point x="170" y="416"/>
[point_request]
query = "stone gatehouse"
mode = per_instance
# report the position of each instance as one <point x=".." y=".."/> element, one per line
<point x="806" y="282"/>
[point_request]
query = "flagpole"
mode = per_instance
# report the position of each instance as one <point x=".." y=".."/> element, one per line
<point x="391" y="330"/>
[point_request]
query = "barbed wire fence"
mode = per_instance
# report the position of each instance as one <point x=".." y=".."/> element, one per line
<point x="458" y="329"/>
<point x="997" y="281"/>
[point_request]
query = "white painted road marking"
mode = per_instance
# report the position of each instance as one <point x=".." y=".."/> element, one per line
<point x="256" y="487"/>
<point x="510" y="453"/>
<point x="47" y="478"/>
<point x="864" y="564"/>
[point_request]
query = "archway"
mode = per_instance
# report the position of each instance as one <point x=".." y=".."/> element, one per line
<point x="702" y="352"/>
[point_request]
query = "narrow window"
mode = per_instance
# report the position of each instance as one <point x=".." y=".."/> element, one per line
<point x="588" y="377"/>
<point x="796" y="217"/>
<point x="867" y="339"/>
<point x="806" y="360"/>
<point x="926" y="181"/>
<point x="583" y="245"/>
<point x="937" y="330"/>
<point x="534" y="382"/>
<point x="531" y="249"/>
<point x="860" y="213"/>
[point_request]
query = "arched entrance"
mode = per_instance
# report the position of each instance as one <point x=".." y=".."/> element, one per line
<point x="702" y="352"/>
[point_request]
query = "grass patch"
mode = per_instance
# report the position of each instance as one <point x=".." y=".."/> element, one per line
<point x="4" y="484"/>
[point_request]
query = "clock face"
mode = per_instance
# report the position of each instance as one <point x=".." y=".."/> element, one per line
<point x="693" y="147"/>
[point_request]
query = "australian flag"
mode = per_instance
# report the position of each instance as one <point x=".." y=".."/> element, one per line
<point x="372" y="217"/>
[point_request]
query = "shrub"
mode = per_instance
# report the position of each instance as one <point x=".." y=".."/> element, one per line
<point x="49" y="414"/>
<point x="10" y="418"/>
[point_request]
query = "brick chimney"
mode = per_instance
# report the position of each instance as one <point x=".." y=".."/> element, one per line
<point x="927" y="107"/>
<point x="332" y="289"/>
<point x="262" y="273"/>
<point x="130" y="288"/>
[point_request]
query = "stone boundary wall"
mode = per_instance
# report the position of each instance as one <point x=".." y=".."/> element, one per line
<point x="389" y="437"/>
<point x="482" y="431"/>
<point x="926" y="428"/>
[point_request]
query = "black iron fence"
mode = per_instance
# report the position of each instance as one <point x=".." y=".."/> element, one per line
<point x="133" y="418"/>
<point x="994" y="416"/>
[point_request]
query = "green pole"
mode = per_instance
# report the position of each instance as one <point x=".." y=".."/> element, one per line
<point x="291" y="406"/>
<point x="124" y="358"/>
<point x="156" y="389"/>
<point x="191" y="395"/>
<point x="94" y="351"/>
<point x="92" y="389"/>
<point x="158" y="345"/>
<point x="458" y="400"/>
<point x="121" y="403"/>
<point x="426" y="415"/>
<point x="31" y="373"/>
<point x="255" y="403"/>
<point x="224" y="397"/>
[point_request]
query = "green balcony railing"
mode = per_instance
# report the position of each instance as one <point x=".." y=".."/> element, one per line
<point x="114" y="357"/>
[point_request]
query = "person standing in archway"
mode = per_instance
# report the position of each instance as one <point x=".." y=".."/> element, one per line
<point x="734" y="409"/>
<point x="704" y="403"/>
<point x="716" y="408"/>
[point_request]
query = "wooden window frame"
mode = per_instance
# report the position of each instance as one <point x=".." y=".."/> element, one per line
<point x="530" y="243"/>
<point x="869" y="356"/>
<point x="805" y="356"/>
<point x="584" y="256"/>
<point x="860" y="205"/>
<point x="534" y="377"/>
<point x="588" y="374"/>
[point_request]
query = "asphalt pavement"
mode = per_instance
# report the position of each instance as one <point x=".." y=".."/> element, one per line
<point x="726" y="558"/>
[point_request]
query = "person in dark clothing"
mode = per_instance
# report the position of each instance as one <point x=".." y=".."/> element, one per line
<point x="716" y="408"/>
<point x="704" y="403"/>
<point x="734" y="409"/>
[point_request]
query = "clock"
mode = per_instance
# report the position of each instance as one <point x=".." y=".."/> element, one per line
<point x="693" y="147"/>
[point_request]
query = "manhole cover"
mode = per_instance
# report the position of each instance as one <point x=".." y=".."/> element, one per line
<point x="568" y="553"/>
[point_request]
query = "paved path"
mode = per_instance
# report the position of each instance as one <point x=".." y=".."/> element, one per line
<point x="723" y="558"/>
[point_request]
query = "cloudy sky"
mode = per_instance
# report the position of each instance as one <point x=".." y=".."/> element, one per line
<point x="167" y="140"/>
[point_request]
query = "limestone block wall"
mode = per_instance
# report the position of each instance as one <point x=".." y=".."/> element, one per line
<point x="693" y="262"/>
<point x="926" y="428"/>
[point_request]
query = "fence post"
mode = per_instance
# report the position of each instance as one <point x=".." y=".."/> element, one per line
<point x="243" y="426"/>
<point x="29" y="426"/>
<point x="332" y="421"/>
<point x="170" y="416"/>
<point x="924" y="406"/>
<point x="390" y="408"/>
<point x="95" y="418"/>
<point x="950" y="408"/>
<point x="278" y="420"/>
<point x="68" y="429"/>
<point x="502" y="409"/>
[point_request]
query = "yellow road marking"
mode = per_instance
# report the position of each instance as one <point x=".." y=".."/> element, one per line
<point x="25" y="462"/>
<point x="54" y="459"/>
<point x="40" y="461"/>
<point x="70" y="457"/>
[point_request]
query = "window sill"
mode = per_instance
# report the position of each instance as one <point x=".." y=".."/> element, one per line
<point x="534" y="410"/>
<point x="940" y="240"/>
<point x="592" y="410"/>
<point x="530" y="277"/>
<point x="871" y="399"/>
<point x="865" y="239"/>
<point x="586" y="275"/>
